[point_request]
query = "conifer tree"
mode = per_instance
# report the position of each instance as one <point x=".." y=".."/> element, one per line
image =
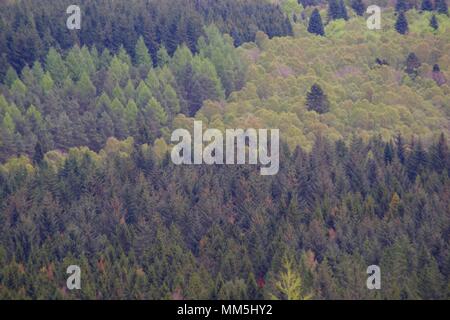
<point x="288" y="285"/>
<point x="440" y="155"/>
<point x="412" y="64"/>
<point x="401" y="6"/>
<point x="38" y="153"/>
<point x="163" y="57"/>
<point x="56" y="66"/>
<point x="434" y="23"/>
<point x="401" y="25"/>
<point x="359" y="7"/>
<point x="441" y="6"/>
<point x="343" y="10"/>
<point x="142" y="54"/>
<point x="334" y="10"/>
<point x="315" y="23"/>
<point x="316" y="100"/>
<point x="427" y="5"/>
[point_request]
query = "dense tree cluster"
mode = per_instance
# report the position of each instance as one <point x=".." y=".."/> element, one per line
<point x="86" y="176"/>
<point x="86" y="96"/>
<point x="369" y="88"/>
<point x="28" y="29"/>
<point x="142" y="228"/>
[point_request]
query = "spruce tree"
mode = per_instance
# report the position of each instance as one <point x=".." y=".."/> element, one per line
<point x="427" y="5"/>
<point x="401" y="6"/>
<point x="359" y="7"/>
<point x="315" y="23"/>
<point x="440" y="154"/>
<point x="343" y="10"/>
<point x="434" y="23"/>
<point x="38" y="156"/>
<point x="412" y="64"/>
<point x="316" y="100"/>
<point x="334" y="10"/>
<point x="401" y="25"/>
<point x="441" y="6"/>
<point x="141" y="53"/>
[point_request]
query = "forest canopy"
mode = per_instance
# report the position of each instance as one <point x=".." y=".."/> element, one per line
<point x="86" y="177"/>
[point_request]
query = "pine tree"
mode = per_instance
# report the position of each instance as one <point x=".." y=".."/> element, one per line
<point x="288" y="285"/>
<point x="388" y="153"/>
<point x="142" y="55"/>
<point x="163" y="57"/>
<point x="438" y="76"/>
<point x="38" y="156"/>
<point x="334" y="10"/>
<point x="412" y="64"/>
<point x="85" y="89"/>
<point x="359" y="7"/>
<point x="441" y="6"/>
<point x="400" y="148"/>
<point x="427" y="5"/>
<point x="55" y="65"/>
<point x="316" y="100"/>
<point x="401" y="25"/>
<point x="434" y="23"/>
<point x="47" y="82"/>
<point x="343" y="10"/>
<point x="315" y="23"/>
<point x="440" y="154"/>
<point x="11" y="76"/>
<point x="401" y="6"/>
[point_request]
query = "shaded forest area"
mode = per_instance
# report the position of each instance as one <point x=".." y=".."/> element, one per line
<point x="86" y="177"/>
<point x="29" y="28"/>
<point x="140" y="227"/>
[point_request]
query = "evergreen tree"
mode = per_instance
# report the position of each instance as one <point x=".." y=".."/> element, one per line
<point x="315" y="23"/>
<point x="427" y="5"/>
<point x="400" y="148"/>
<point x="401" y="6"/>
<point x="440" y="155"/>
<point x="412" y="64"/>
<point x="388" y="153"/>
<point x="434" y="23"/>
<point x="11" y="76"/>
<point x="163" y="57"/>
<point x="401" y="25"/>
<point x="334" y="10"/>
<point x="288" y="285"/>
<point x="142" y="54"/>
<point x="316" y="100"/>
<point x="343" y="10"/>
<point x="441" y="6"/>
<point x="359" y="7"/>
<point x="38" y="156"/>
<point x="55" y="65"/>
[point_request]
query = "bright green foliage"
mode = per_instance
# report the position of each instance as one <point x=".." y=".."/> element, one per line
<point x="55" y="65"/>
<point x="288" y="285"/>
<point x="142" y="54"/>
